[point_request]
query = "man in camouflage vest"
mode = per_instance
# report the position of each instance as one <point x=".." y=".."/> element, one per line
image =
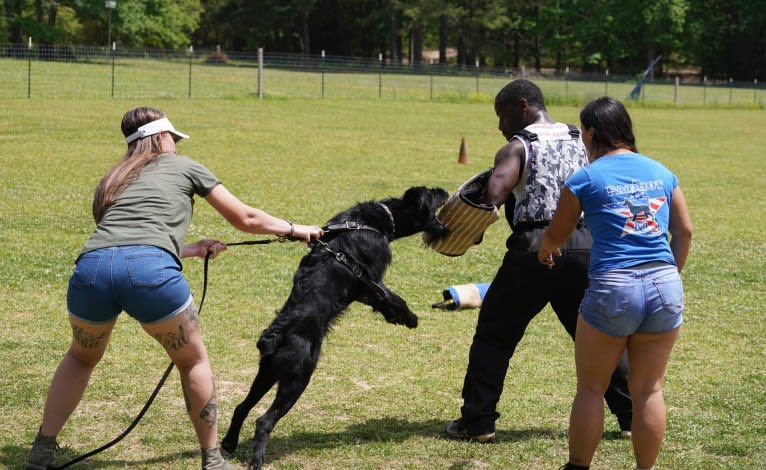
<point x="528" y="176"/>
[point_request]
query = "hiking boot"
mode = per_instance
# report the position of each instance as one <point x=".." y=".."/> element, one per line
<point x="459" y="430"/>
<point x="213" y="460"/>
<point x="42" y="454"/>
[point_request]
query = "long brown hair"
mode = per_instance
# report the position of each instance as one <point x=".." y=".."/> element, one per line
<point x="140" y="152"/>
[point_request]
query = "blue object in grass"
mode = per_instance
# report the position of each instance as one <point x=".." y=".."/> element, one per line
<point x="462" y="296"/>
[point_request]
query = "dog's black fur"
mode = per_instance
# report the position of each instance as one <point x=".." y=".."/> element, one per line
<point x="323" y="288"/>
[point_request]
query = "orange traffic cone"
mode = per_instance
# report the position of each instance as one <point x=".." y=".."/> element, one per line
<point x="463" y="156"/>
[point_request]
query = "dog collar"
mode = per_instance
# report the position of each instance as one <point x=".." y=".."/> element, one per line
<point x="390" y="216"/>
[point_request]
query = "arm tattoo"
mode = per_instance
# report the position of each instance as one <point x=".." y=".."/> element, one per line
<point x="87" y="340"/>
<point x="172" y="340"/>
<point x="209" y="413"/>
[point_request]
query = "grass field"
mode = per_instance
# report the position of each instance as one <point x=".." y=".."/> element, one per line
<point x="381" y="394"/>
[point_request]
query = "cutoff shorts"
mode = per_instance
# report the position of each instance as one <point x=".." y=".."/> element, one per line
<point x="648" y="298"/>
<point x="144" y="281"/>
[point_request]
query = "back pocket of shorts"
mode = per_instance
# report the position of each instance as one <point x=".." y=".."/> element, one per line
<point x="146" y="269"/>
<point x="612" y="299"/>
<point x="86" y="270"/>
<point x="671" y="293"/>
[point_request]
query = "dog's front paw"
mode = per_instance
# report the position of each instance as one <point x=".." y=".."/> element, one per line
<point x="411" y="320"/>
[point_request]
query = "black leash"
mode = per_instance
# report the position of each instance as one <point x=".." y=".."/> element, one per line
<point x="342" y="258"/>
<point x="166" y="374"/>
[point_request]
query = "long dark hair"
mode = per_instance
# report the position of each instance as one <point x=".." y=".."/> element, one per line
<point x="611" y="124"/>
<point x="139" y="153"/>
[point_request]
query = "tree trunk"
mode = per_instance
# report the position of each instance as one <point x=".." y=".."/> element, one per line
<point x="305" y="39"/>
<point x="13" y="20"/>
<point x="392" y="36"/>
<point x="53" y="11"/>
<point x="39" y="11"/>
<point x="417" y="43"/>
<point x="443" y="39"/>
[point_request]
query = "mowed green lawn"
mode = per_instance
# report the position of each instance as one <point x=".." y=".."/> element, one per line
<point x="381" y="394"/>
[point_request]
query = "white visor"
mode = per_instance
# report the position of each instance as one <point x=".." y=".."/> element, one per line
<point x="155" y="127"/>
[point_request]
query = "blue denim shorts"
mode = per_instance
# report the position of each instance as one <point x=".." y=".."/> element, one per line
<point x="644" y="299"/>
<point x="144" y="281"/>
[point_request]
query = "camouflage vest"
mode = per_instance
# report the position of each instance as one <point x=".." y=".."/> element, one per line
<point x="554" y="153"/>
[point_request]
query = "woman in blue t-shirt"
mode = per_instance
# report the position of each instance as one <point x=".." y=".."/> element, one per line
<point x="132" y="263"/>
<point x="637" y="215"/>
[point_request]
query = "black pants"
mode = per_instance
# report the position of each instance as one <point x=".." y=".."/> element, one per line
<point x="519" y="291"/>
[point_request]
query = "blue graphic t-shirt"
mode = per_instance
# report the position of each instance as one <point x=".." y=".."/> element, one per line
<point x="626" y="202"/>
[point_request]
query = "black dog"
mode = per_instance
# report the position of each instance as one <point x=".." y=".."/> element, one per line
<point x="346" y="265"/>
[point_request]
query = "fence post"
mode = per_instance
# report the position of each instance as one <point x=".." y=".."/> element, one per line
<point x="112" y="51"/>
<point x="755" y="90"/>
<point x="191" y="55"/>
<point x="322" y="73"/>
<point x="260" y="72"/>
<point x="431" y="81"/>
<point x="606" y="82"/>
<point x="29" y="68"/>
<point x="477" y="75"/>
<point x="566" y="83"/>
<point x="704" y="90"/>
<point x="675" y="92"/>
<point x="380" y="75"/>
<point x="731" y="86"/>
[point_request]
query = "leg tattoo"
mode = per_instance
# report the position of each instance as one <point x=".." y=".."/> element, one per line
<point x="210" y="412"/>
<point x="87" y="340"/>
<point x="193" y="314"/>
<point x="187" y="402"/>
<point x="172" y="340"/>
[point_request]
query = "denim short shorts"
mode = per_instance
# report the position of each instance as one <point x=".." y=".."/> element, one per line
<point x="144" y="281"/>
<point x="644" y="299"/>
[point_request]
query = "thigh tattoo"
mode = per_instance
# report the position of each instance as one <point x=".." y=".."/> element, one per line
<point x="176" y="341"/>
<point x="192" y="313"/>
<point x="87" y="340"/>
<point x="171" y="340"/>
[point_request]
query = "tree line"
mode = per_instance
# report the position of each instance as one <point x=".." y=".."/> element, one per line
<point x="717" y="39"/>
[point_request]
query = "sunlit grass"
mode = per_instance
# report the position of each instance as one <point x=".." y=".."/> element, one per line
<point x="382" y="393"/>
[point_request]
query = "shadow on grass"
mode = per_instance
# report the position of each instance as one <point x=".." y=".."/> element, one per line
<point x="13" y="457"/>
<point x="383" y="430"/>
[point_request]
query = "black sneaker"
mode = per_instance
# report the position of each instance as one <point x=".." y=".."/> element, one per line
<point x="458" y="430"/>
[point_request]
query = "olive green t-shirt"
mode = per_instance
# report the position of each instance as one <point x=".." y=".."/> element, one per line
<point x="156" y="209"/>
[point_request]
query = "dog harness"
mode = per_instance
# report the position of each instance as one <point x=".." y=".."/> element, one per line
<point x="347" y="260"/>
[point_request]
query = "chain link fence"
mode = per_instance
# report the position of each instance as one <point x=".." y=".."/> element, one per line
<point x="49" y="71"/>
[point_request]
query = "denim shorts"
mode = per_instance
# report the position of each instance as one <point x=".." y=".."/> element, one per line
<point x="645" y="299"/>
<point x="144" y="281"/>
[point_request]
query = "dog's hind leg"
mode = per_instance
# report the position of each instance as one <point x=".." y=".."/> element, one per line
<point x="291" y="387"/>
<point x="262" y="383"/>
